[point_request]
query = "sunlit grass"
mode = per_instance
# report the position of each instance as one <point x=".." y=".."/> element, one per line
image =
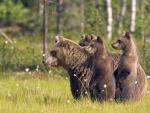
<point x="31" y="93"/>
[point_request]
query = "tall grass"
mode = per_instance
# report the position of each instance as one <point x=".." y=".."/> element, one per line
<point x="37" y="93"/>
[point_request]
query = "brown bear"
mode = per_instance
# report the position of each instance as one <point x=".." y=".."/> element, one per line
<point x="76" y="61"/>
<point x="102" y="85"/>
<point x="130" y="84"/>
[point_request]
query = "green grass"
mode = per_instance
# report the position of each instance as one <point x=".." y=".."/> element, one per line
<point x="36" y="93"/>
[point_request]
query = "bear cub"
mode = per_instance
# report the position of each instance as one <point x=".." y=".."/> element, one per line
<point x="102" y="84"/>
<point x="128" y="82"/>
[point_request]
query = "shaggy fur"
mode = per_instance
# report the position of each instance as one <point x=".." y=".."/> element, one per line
<point x="102" y="85"/>
<point x="74" y="59"/>
<point x="130" y="85"/>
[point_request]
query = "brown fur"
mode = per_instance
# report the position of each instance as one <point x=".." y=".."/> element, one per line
<point x="130" y="85"/>
<point x="102" y="85"/>
<point x="73" y="58"/>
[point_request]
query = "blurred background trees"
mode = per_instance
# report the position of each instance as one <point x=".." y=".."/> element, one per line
<point x="71" y="18"/>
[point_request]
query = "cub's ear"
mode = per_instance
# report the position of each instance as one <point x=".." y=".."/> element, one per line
<point x="99" y="39"/>
<point x="82" y="36"/>
<point x="93" y="36"/>
<point x="58" y="38"/>
<point x="127" y="35"/>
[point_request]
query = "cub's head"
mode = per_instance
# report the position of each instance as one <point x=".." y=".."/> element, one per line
<point x="86" y="39"/>
<point x="122" y="41"/>
<point x="96" y="45"/>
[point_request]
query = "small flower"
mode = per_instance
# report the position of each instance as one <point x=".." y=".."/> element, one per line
<point x="43" y="55"/>
<point x="66" y="78"/>
<point x="17" y="85"/>
<point x="148" y="77"/>
<point x="103" y="90"/>
<point x="85" y="80"/>
<point x="77" y="90"/>
<point x="135" y="82"/>
<point x="111" y="99"/>
<point x="147" y="92"/>
<point x="50" y="72"/>
<point x="27" y="69"/>
<point x="74" y="75"/>
<point x="6" y="42"/>
<point x="86" y="92"/>
<point x="68" y="101"/>
<point x="105" y="86"/>
<point x="37" y="68"/>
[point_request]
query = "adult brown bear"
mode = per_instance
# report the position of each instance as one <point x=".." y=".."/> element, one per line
<point x="130" y="84"/>
<point x="102" y="85"/>
<point x="76" y="61"/>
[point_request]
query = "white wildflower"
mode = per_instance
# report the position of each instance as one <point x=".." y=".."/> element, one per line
<point x="103" y="90"/>
<point x="77" y="90"/>
<point x="37" y="68"/>
<point x="135" y="82"/>
<point x="66" y="78"/>
<point x="86" y="92"/>
<point x="85" y="80"/>
<point x="17" y="85"/>
<point x="6" y="42"/>
<point x="68" y="101"/>
<point x="147" y="92"/>
<point x="27" y="69"/>
<point x="111" y="99"/>
<point x="148" y="77"/>
<point x="105" y="86"/>
<point x="50" y="72"/>
<point x="43" y="55"/>
<point x="74" y="75"/>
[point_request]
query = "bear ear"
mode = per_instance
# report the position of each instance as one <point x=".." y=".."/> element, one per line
<point x="99" y="39"/>
<point x="58" y="38"/>
<point x="127" y="35"/>
<point x="92" y="36"/>
<point x="83" y="36"/>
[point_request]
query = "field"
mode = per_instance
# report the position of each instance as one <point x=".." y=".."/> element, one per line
<point x="32" y="92"/>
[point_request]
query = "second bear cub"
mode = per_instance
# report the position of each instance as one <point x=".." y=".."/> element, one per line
<point x="102" y="85"/>
<point x="128" y="85"/>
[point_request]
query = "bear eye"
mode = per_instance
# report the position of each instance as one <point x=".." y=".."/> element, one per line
<point x="53" y="53"/>
<point x="119" y="41"/>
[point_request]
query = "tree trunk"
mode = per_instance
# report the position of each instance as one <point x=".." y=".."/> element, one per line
<point x="109" y="19"/>
<point x="82" y="16"/>
<point x="40" y="7"/>
<point x="122" y="13"/>
<point x="45" y="30"/>
<point x="133" y="15"/>
<point x="59" y="14"/>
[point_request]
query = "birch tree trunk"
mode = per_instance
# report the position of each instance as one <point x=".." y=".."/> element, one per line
<point x="109" y="19"/>
<point x="45" y="30"/>
<point x="59" y="14"/>
<point x="82" y="16"/>
<point x="133" y="15"/>
<point x="41" y="8"/>
<point x="122" y="13"/>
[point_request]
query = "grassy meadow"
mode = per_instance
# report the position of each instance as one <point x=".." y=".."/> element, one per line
<point x="34" y="92"/>
<point x="27" y="87"/>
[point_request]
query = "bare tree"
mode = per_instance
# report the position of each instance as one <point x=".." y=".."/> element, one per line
<point x="122" y="13"/>
<point x="133" y="15"/>
<point x="82" y="15"/>
<point x="59" y="14"/>
<point x="45" y="30"/>
<point x="109" y="19"/>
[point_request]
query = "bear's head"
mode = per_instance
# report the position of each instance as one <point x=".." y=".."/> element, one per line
<point x="96" y="46"/>
<point x="86" y="39"/>
<point x="65" y="53"/>
<point x="122" y="41"/>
